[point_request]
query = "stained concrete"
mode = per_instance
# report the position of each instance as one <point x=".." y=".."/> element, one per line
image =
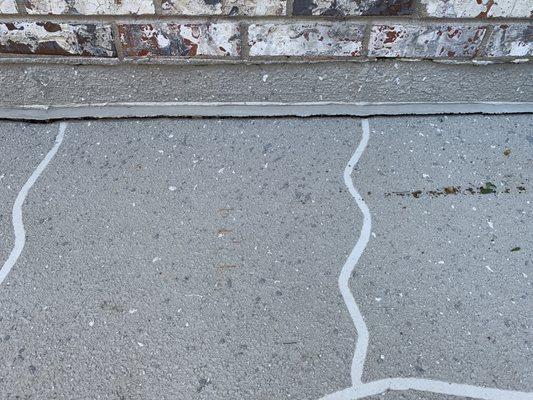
<point x="464" y="309"/>
<point x="198" y="259"/>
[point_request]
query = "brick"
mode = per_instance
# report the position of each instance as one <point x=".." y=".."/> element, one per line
<point x="8" y="7"/>
<point x="182" y="40"/>
<point x="49" y="38"/>
<point x="352" y="7"/>
<point x="478" y="8"/>
<point x="90" y="7"/>
<point x="343" y="39"/>
<point x="225" y="7"/>
<point x="428" y="41"/>
<point x="510" y="41"/>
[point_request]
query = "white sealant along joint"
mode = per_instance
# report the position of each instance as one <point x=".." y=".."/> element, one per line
<point x="359" y="389"/>
<point x="18" y="225"/>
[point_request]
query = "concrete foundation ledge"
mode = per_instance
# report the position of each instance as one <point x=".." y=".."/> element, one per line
<point x="386" y="87"/>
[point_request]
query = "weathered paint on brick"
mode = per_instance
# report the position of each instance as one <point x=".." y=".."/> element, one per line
<point x="8" y="7"/>
<point x="433" y="41"/>
<point x="90" y="7"/>
<point x="352" y="7"/>
<point x="182" y="40"/>
<point x="342" y="39"/>
<point x="510" y="41"/>
<point x="56" y="39"/>
<point x="224" y="7"/>
<point x="478" y="8"/>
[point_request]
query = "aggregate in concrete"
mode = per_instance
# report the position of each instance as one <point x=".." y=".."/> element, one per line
<point x="179" y="260"/>
<point x="22" y="147"/>
<point x="199" y="259"/>
<point x="443" y="292"/>
<point x="374" y="82"/>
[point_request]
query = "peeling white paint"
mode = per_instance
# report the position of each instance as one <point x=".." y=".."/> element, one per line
<point x="187" y="40"/>
<point x="8" y="7"/>
<point x="473" y="8"/>
<point x="150" y="32"/>
<point x="32" y="35"/>
<point x="67" y="37"/>
<point x="332" y="39"/>
<point x="339" y="8"/>
<point x="90" y="7"/>
<point x="510" y="41"/>
<point x="427" y="41"/>
<point x="214" y="38"/>
<point x="346" y="7"/>
<point x="225" y="7"/>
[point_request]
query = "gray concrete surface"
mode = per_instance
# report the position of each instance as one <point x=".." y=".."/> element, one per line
<point x="198" y="259"/>
<point x="443" y="293"/>
<point x="20" y="154"/>
<point x="381" y="81"/>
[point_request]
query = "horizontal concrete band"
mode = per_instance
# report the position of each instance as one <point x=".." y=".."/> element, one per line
<point x="335" y="82"/>
<point x="42" y="91"/>
<point x="255" y="109"/>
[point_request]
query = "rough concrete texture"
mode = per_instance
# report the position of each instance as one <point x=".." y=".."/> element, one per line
<point x="184" y="40"/>
<point x="310" y="39"/>
<point x="89" y="7"/>
<point x="478" y="8"/>
<point x="8" y="7"/>
<point x="433" y="41"/>
<point x="350" y="7"/>
<point x="25" y="150"/>
<point x="509" y="41"/>
<point x="47" y="38"/>
<point x="198" y="259"/>
<point x="159" y="275"/>
<point x="442" y="227"/>
<point x="383" y="81"/>
<point x="225" y="7"/>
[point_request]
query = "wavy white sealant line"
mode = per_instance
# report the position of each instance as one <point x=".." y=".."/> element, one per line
<point x="361" y="345"/>
<point x="18" y="225"/>
<point x="360" y="390"/>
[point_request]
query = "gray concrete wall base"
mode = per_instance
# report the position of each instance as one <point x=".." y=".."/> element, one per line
<point x="43" y="91"/>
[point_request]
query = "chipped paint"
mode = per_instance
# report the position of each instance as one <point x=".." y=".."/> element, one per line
<point x="183" y="40"/>
<point x="224" y="7"/>
<point x="56" y="39"/>
<point x="510" y="41"/>
<point x="329" y="34"/>
<point x="478" y="8"/>
<point x="89" y="7"/>
<point x="351" y="7"/>
<point x="433" y="41"/>
<point x="312" y="39"/>
<point x="8" y="7"/>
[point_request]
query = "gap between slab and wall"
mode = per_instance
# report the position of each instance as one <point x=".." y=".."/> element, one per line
<point x="41" y="91"/>
<point x="240" y="110"/>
